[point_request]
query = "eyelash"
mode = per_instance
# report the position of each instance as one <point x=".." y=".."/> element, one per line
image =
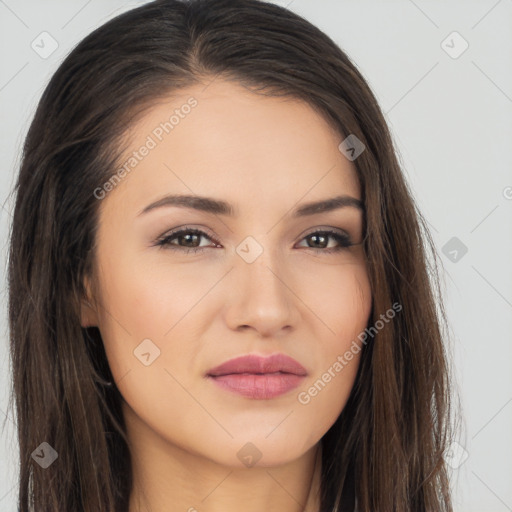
<point x="164" y="242"/>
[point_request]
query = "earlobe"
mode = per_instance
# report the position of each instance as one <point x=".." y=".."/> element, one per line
<point x="88" y="313"/>
<point x="88" y="317"/>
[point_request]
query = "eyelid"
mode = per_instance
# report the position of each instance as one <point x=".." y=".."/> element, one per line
<point x="345" y="242"/>
<point x="327" y="229"/>
<point x="188" y="228"/>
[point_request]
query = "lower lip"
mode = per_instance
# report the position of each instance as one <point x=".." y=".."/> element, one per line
<point x="259" y="386"/>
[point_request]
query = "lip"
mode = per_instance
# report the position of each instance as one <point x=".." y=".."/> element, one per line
<point x="258" y="377"/>
<point x="253" y="363"/>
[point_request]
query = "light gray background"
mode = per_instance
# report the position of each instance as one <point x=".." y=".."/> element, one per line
<point x="452" y="121"/>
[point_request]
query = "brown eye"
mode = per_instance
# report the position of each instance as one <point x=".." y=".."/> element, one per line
<point x="320" y="240"/>
<point x="187" y="240"/>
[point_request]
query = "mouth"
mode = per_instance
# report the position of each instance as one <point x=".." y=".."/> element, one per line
<point x="256" y="364"/>
<point x="257" y="377"/>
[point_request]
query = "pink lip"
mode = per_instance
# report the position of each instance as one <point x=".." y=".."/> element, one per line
<point x="259" y="377"/>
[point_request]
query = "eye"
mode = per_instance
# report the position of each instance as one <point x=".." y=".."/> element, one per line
<point x="188" y="240"/>
<point x="189" y="236"/>
<point x="322" y="238"/>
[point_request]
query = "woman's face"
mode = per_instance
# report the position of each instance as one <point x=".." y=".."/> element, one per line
<point x="265" y="280"/>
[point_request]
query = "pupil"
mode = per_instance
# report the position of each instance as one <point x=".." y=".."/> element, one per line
<point x="316" y="237"/>
<point x="188" y="237"/>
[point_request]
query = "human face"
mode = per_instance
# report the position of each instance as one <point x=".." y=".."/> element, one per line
<point x="262" y="283"/>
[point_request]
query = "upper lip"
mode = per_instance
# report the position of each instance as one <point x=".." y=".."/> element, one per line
<point x="253" y="363"/>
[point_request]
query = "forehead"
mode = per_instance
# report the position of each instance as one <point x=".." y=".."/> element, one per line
<point x="223" y="140"/>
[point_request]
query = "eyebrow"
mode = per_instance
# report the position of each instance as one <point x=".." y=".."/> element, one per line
<point x="219" y="207"/>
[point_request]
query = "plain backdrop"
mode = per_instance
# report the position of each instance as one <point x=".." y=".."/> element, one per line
<point x="442" y="74"/>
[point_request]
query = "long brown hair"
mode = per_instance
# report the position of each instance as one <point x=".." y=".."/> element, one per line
<point x="386" y="448"/>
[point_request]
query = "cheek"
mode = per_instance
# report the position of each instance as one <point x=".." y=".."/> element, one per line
<point x="344" y="305"/>
<point x="152" y="307"/>
<point x="149" y="346"/>
<point x="150" y="296"/>
<point x="340" y="299"/>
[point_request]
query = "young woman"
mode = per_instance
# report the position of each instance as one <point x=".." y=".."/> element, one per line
<point x="219" y="291"/>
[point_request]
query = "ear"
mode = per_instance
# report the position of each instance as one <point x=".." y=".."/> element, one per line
<point x="88" y="312"/>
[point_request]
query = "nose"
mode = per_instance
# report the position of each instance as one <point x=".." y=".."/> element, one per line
<point x="261" y="297"/>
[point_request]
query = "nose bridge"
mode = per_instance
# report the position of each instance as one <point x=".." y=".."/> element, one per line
<point x="259" y="265"/>
<point x="262" y="298"/>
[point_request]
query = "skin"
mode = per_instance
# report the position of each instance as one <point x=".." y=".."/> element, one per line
<point x="265" y="156"/>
